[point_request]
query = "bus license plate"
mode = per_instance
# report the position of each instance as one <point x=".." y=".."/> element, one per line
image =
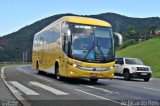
<point x="93" y="75"/>
<point x="144" y="73"/>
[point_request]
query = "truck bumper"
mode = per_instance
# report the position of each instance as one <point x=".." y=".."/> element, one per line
<point x="141" y="75"/>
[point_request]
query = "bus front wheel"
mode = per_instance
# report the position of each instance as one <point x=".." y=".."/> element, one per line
<point x="58" y="77"/>
<point x="93" y="80"/>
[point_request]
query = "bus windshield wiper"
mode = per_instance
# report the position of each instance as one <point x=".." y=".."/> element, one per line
<point x="101" y="51"/>
<point x="89" y="51"/>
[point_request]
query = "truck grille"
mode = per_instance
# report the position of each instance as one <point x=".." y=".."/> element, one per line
<point x="142" y="69"/>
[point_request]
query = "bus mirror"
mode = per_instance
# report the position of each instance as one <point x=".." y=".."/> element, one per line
<point x="120" y="38"/>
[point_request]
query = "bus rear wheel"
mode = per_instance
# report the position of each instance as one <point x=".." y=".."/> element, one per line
<point x="93" y="80"/>
<point x="39" y="71"/>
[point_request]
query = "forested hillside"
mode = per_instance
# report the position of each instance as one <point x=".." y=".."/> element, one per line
<point x="13" y="45"/>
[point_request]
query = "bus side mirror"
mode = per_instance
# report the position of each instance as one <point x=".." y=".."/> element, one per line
<point x="120" y="38"/>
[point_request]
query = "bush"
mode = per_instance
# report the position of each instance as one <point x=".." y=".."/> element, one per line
<point x="127" y="43"/>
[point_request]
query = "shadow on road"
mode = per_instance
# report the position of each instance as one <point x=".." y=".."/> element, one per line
<point x="74" y="81"/>
<point x="131" y="80"/>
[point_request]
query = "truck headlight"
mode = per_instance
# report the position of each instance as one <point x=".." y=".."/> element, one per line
<point x="134" y="68"/>
<point x="150" y="69"/>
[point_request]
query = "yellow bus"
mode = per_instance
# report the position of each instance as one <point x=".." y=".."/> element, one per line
<point x="75" y="47"/>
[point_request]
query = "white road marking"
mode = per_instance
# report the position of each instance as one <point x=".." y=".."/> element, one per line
<point x="12" y="89"/>
<point x="44" y="79"/>
<point x="152" y="89"/>
<point x="2" y="73"/>
<point x="97" y="96"/>
<point x="92" y="94"/>
<point x="15" y="92"/>
<point x="24" y="89"/>
<point x="34" y="75"/>
<point x="53" y="90"/>
<point x="104" y="90"/>
<point x="119" y="77"/>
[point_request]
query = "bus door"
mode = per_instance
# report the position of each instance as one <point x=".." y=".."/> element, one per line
<point x="65" y="54"/>
<point x="41" y="51"/>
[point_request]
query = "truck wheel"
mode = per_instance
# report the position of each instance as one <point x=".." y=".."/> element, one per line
<point x="93" y="80"/>
<point x="146" y="79"/>
<point x="127" y="75"/>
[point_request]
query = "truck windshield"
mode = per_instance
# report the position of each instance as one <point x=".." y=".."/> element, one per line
<point x="134" y="61"/>
<point x="92" y="43"/>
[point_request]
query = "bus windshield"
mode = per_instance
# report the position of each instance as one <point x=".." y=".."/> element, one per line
<point x="91" y="43"/>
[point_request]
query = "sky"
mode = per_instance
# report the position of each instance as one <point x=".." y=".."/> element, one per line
<point x="15" y="14"/>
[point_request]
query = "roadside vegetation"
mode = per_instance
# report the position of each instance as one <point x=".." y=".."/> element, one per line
<point x="14" y="44"/>
<point x="148" y="51"/>
<point x="2" y="65"/>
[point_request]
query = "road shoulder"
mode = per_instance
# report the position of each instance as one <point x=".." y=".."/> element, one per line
<point x="6" y="96"/>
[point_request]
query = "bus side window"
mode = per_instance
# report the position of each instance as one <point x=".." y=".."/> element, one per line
<point x="65" y="37"/>
<point x="65" y="46"/>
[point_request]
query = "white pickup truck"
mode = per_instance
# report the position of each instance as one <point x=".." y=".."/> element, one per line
<point x="132" y="68"/>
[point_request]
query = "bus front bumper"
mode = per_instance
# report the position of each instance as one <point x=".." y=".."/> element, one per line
<point x="74" y="72"/>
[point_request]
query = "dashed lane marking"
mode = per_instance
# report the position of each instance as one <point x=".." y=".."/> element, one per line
<point x="103" y="98"/>
<point x="101" y="89"/>
<point x="152" y="89"/>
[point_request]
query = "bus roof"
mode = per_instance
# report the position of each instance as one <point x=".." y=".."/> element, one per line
<point x="78" y="20"/>
<point x="86" y="20"/>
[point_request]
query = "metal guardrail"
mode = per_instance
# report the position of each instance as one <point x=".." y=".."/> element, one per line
<point x="15" y="62"/>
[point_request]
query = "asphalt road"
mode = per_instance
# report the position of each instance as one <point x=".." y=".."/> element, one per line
<point x="33" y="89"/>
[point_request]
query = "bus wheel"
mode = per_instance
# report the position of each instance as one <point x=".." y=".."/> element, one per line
<point x="93" y="80"/>
<point x="37" y="69"/>
<point x="58" y="77"/>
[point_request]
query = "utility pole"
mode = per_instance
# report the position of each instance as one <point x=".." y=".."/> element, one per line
<point x="23" y="57"/>
<point x="26" y="56"/>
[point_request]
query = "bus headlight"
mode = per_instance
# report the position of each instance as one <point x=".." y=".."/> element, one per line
<point x="71" y="72"/>
<point x="111" y="67"/>
<point x="74" y="65"/>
